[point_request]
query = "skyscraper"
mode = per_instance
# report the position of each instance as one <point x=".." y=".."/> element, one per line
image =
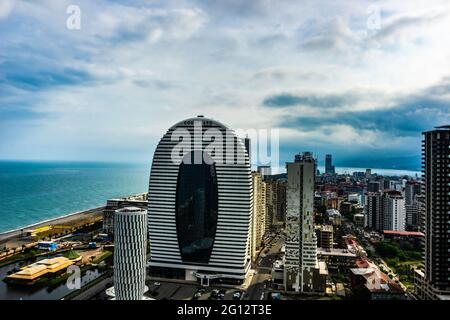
<point x="200" y="203"/>
<point x="301" y="242"/>
<point x="412" y="189"/>
<point x="394" y="215"/>
<point x="374" y="210"/>
<point x="259" y="213"/>
<point x="130" y="253"/>
<point x="329" y="168"/>
<point x="434" y="281"/>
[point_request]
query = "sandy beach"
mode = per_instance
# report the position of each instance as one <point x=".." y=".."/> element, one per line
<point x="72" y="219"/>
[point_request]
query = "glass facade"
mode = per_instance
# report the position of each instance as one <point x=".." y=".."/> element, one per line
<point x="196" y="207"/>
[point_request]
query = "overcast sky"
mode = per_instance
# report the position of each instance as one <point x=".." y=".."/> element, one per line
<point x="331" y="76"/>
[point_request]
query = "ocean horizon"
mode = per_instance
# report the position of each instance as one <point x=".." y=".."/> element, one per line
<point x="35" y="191"/>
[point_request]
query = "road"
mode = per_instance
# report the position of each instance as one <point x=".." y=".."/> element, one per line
<point x="257" y="289"/>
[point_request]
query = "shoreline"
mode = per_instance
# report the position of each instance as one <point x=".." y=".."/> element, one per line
<point x="60" y="220"/>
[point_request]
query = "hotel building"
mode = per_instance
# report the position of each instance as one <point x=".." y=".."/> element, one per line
<point x="200" y="204"/>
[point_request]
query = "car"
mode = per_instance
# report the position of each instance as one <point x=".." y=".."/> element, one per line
<point x="237" y="295"/>
<point x="157" y="284"/>
<point x="196" y="296"/>
<point x="201" y="290"/>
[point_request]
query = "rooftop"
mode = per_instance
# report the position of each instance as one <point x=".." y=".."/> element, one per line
<point x="38" y="269"/>
<point x="404" y="233"/>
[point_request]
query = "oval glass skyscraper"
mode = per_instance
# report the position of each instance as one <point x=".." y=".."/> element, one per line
<point x="196" y="207"/>
<point x="200" y="204"/>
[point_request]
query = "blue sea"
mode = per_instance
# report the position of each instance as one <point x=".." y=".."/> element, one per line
<point x="31" y="192"/>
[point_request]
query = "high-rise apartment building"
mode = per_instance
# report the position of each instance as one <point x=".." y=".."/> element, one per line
<point x="329" y="168"/>
<point x="374" y="210"/>
<point x="258" y="227"/>
<point x="200" y="204"/>
<point x="301" y="242"/>
<point x="373" y="186"/>
<point x="280" y="214"/>
<point x="433" y="282"/>
<point x="394" y="215"/>
<point x="130" y="253"/>
<point x="412" y="190"/>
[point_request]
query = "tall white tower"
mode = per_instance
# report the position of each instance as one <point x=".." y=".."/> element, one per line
<point x="301" y="241"/>
<point x="130" y="248"/>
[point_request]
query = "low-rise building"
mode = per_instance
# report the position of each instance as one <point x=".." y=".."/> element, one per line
<point x="337" y="258"/>
<point x="38" y="269"/>
<point x="367" y="279"/>
<point x="324" y="234"/>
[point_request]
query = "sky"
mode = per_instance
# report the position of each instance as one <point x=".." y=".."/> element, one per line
<point x="358" y="79"/>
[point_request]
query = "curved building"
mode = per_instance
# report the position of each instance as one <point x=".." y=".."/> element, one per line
<point x="200" y="202"/>
<point x="130" y="249"/>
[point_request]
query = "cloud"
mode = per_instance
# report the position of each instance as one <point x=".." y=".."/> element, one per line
<point x="6" y="7"/>
<point x="326" y="101"/>
<point x="407" y="115"/>
<point x="136" y="67"/>
<point x="398" y="25"/>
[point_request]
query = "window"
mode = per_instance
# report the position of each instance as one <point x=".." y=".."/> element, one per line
<point x="196" y="207"/>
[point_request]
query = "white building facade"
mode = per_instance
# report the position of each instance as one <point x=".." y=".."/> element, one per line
<point x="200" y="203"/>
<point x="394" y="212"/>
<point x="130" y="249"/>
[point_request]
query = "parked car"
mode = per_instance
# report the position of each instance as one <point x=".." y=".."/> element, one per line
<point x="237" y="295"/>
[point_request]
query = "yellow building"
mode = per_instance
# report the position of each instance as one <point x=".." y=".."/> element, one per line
<point x="258" y="223"/>
<point x="38" y="269"/>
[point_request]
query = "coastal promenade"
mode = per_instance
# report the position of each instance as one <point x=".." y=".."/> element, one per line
<point x="73" y="219"/>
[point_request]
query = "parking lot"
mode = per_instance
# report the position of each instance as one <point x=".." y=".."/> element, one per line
<point x="165" y="290"/>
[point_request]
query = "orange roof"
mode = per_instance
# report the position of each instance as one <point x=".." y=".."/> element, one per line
<point x="404" y="233"/>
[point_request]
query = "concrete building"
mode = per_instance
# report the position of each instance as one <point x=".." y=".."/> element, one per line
<point x="259" y="214"/>
<point x="280" y="214"/>
<point x="337" y="258"/>
<point x="373" y="186"/>
<point x="112" y="205"/>
<point x="301" y="243"/>
<point x="354" y="198"/>
<point x="374" y="210"/>
<point x="360" y="220"/>
<point x="271" y="203"/>
<point x="394" y="213"/>
<point x="200" y="204"/>
<point x="433" y="282"/>
<point x="324" y="235"/>
<point x="412" y="190"/>
<point x="334" y="217"/>
<point x="275" y="203"/>
<point x="412" y="216"/>
<point x="130" y="253"/>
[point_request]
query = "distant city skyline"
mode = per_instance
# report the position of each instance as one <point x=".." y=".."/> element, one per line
<point x="340" y="83"/>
